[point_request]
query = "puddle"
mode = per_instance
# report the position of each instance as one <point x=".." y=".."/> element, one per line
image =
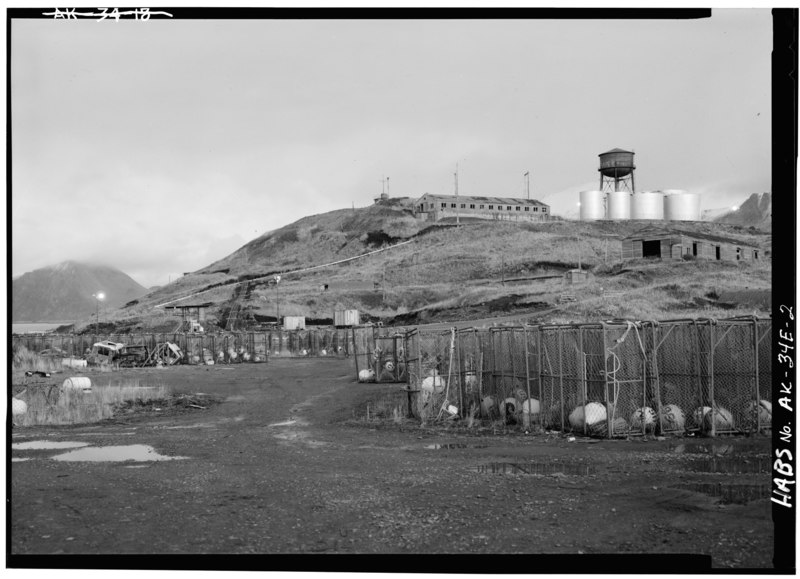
<point x="721" y="448"/>
<point x="234" y="398"/>
<point x="287" y="423"/>
<point x="534" y="468"/>
<point x="136" y="466"/>
<point x="15" y="459"/>
<point x="105" y="433"/>
<point x="46" y="445"/>
<point x="752" y="464"/>
<point x="135" y="452"/>
<point x="452" y="446"/>
<point x="729" y="493"/>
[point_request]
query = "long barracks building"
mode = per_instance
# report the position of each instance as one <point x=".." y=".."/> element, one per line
<point x="436" y="207"/>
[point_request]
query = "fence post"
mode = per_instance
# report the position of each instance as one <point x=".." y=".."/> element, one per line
<point x="711" y="382"/>
<point x="582" y="379"/>
<point x="609" y="421"/>
<point x="526" y="416"/>
<point x="757" y="397"/>
<point x="560" y="342"/>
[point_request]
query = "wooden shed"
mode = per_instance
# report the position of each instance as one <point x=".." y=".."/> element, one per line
<point x="675" y="244"/>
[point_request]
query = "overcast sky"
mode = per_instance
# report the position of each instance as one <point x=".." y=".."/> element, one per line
<point x="158" y="147"/>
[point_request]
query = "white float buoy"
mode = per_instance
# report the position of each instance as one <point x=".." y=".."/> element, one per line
<point x="643" y="418"/>
<point x="672" y="418"/>
<point x="592" y="414"/>
<point x="367" y="375"/>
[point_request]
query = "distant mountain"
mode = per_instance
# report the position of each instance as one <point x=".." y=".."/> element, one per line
<point x="714" y="214"/>
<point x="755" y="212"/>
<point x="64" y="291"/>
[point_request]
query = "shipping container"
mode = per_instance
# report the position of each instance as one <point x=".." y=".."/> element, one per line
<point x="346" y="318"/>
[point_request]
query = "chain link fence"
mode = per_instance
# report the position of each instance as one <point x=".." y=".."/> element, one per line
<point x="378" y="355"/>
<point x="614" y="379"/>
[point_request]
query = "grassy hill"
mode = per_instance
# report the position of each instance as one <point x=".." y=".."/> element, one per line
<point x="476" y="270"/>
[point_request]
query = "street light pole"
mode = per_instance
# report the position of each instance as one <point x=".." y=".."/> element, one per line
<point x="277" y="301"/>
<point x="97" y="297"/>
<point x="528" y="182"/>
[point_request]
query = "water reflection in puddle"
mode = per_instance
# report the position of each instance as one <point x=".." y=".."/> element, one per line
<point x="535" y="468"/>
<point x="729" y="493"/>
<point x="732" y="465"/>
<point x="452" y="446"/>
<point x="724" y="449"/>
<point x="47" y="445"/>
<point x="135" y="452"/>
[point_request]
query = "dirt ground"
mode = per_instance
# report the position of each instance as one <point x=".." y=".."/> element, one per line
<point x="287" y="464"/>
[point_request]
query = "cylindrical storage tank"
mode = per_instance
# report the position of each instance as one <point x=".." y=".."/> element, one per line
<point x="592" y="205"/>
<point x="79" y="383"/>
<point x="616" y="163"/>
<point x="647" y="205"/>
<point x="618" y="205"/>
<point x="681" y="206"/>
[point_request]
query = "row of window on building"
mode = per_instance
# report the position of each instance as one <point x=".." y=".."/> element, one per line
<point x="493" y="207"/>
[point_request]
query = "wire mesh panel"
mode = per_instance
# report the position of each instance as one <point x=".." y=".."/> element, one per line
<point x="682" y="359"/>
<point x="630" y="411"/>
<point x="468" y="372"/>
<point x="193" y="352"/>
<point x="509" y="388"/>
<point x="763" y="370"/>
<point x="736" y="402"/>
<point x="553" y="412"/>
<point x="430" y="358"/>
<point x="388" y="358"/>
<point x="364" y="354"/>
<point x="260" y="344"/>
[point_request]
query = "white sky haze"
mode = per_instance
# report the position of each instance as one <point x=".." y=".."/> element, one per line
<point x="158" y="147"/>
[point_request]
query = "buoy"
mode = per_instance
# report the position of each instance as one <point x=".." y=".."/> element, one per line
<point x="643" y="418"/>
<point x="487" y="406"/>
<point x="592" y="414"/>
<point x="390" y="366"/>
<point x="324" y="352"/>
<point x="367" y="375"/>
<point x="531" y="406"/>
<point x="672" y="418"/>
<point x="18" y="407"/>
<point x="723" y="419"/>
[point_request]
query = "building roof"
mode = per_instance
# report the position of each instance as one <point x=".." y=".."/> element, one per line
<point x="617" y="151"/>
<point x="475" y="199"/>
<point x="205" y="305"/>
<point x="671" y="231"/>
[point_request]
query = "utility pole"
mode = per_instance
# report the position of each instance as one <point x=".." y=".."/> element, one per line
<point x="456" y="176"/>
<point x="528" y="182"/>
<point x="277" y="301"/>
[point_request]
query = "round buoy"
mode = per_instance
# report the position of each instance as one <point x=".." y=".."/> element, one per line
<point x="643" y="418"/>
<point x="672" y="418"/>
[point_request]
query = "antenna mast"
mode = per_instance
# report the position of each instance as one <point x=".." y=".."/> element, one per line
<point x="456" y="176"/>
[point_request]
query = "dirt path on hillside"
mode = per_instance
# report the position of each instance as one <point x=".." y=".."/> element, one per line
<point x="280" y="466"/>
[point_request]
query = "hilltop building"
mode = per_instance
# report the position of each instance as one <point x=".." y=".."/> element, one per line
<point x="436" y="207"/>
<point x="675" y="243"/>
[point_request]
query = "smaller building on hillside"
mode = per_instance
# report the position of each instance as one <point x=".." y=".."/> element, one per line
<point x="436" y="207"/>
<point x="670" y="243"/>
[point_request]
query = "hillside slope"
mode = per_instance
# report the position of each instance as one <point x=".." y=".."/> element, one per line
<point x="479" y="269"/>
<point x="64" y="292"/>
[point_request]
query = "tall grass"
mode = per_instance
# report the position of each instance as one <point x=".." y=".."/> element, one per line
<point x="54" y="407"/>
<point x="23" y="360"/>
